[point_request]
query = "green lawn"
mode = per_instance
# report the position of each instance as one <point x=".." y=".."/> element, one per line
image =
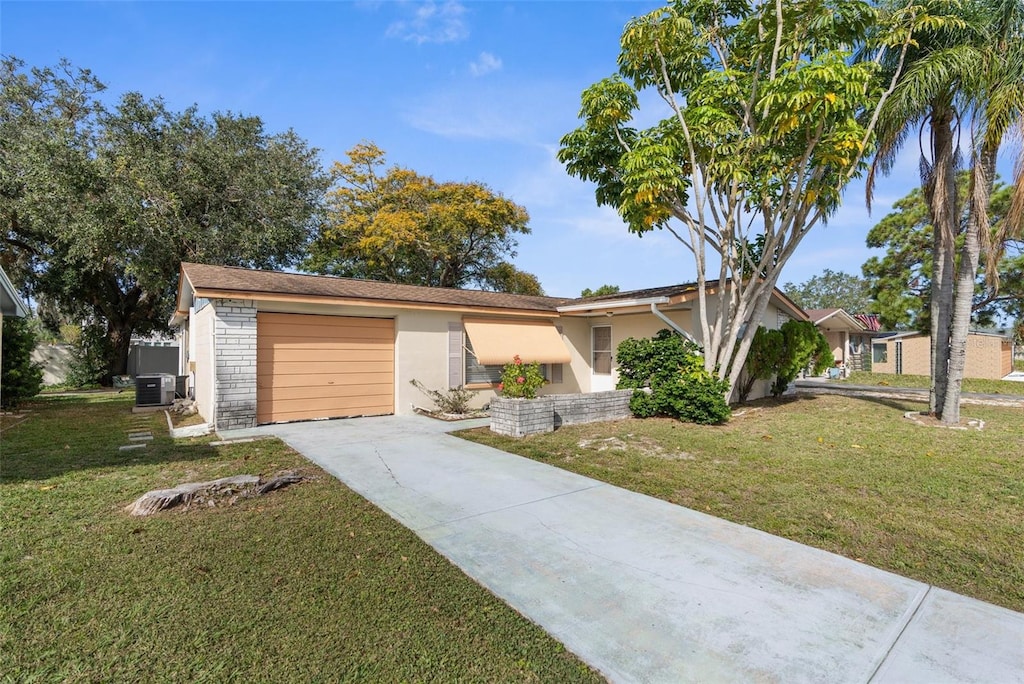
<point x="979" y="385"/>
<point x="851" y="476"/>
<point x="310" y="583"/>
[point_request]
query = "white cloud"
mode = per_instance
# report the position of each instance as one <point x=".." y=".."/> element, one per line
<point x="432" y="22"/>
<point x="485" y="64"/>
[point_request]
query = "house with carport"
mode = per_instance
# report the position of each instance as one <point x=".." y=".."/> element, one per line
<point x="265" y="346"/>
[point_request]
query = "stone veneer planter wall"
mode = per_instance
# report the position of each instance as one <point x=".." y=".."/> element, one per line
<point x="521" y="417"/>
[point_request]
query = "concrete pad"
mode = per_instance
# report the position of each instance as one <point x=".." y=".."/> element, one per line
<point x="223" y="442"/>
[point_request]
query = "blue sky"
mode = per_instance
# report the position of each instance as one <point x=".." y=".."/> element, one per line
<point x="461" y="91"/>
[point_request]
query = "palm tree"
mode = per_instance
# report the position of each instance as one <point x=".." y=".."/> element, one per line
<point x="925" y="102"/>
<point x="995" y="96"/>
<point x="961" y="72"/>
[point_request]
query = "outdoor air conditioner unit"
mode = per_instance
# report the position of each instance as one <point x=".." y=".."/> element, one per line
<point x="154" y="390"/>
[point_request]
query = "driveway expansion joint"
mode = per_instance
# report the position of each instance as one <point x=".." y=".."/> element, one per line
<point x="510" y="507"/>
<point x="909" y="616"/>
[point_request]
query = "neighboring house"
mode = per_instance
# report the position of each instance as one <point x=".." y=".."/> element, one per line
<point x="262" y="346"/>
<point x="846" y="335"/>
<point x="989" y="355"/>
<point x="10" y="305"/>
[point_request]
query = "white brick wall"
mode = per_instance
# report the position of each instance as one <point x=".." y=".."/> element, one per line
<point x="235" y="351"/>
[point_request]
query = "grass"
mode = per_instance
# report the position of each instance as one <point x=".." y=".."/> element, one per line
<point x="310" y="583"/>
<point x="847" y="475"/>
<point x="979" y="385"/>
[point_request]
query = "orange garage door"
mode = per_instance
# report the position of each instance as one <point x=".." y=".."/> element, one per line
<point x="323" y="367"/>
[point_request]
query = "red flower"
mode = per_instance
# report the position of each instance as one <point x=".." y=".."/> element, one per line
<point x="518" y="361"/>
<point x="501" y="385"/>
<point x="520" y="379"/>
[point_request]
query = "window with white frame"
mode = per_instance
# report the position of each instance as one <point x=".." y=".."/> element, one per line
<point x="601" y="349"/>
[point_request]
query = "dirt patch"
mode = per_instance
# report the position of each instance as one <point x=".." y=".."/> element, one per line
<point x="645" y="445"/>
<point x="179" y="420"/>
<point x="931" y="421"/>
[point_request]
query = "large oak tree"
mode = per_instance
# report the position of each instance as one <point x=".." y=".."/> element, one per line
<point x="99" y="204"/>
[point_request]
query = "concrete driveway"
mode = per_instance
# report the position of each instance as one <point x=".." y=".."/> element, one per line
<point x="646" y="591"/>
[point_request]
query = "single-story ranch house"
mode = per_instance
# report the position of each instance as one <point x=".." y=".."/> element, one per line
<point x="262" y="346"/>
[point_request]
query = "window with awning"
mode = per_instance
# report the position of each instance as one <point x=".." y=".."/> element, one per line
<point x="496" y="342"/>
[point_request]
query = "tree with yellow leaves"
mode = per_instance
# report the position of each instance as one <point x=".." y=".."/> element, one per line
<point x="399" y="226"/>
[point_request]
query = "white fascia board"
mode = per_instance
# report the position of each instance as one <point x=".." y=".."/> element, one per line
<point x="20" y="310"/>
<point x="612" y="304"/>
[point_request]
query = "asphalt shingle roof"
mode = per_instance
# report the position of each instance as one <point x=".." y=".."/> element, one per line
<point x="232" y="279"/>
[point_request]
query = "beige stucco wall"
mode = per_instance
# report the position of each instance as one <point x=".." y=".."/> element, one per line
<point x="201" y="327"/>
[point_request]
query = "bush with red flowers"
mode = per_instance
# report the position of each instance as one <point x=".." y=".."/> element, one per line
<point x="521" y="380"/>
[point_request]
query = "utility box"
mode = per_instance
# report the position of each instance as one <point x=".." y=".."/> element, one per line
<point x="154" y="390"/>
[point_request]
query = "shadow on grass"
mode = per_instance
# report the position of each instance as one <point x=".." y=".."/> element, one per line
<point x="68" y="434"/>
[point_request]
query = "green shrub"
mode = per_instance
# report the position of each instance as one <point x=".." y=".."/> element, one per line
<point x="667" y="375"/>
<point x="90" y="356"/>
<point x="521" y="380"/>
<point x="803" y="347"/>
<point x="20" y="377"/>
<point x="763" y="359"/>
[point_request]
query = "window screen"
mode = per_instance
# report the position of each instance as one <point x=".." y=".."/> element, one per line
<point x="601" y="345"/>
<point x="477" y="374"/>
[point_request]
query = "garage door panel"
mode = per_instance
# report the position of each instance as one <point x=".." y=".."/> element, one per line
<point x="288" y="320"/>
<point x="312" y="366"/>
<point x="279" y="355"/>
<point x="298" y="333"/>
<point x="320" y="379"/>
<point x="323" y="367"/>
<point x="284" y="416"/>
<point x="281" y="393"/>
<point x="330" y="404"/>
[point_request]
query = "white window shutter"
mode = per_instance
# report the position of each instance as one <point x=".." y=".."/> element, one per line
<point x="556" y="368"/>
<point x="455" y="355"/>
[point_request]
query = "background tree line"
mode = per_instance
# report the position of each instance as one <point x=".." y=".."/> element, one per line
<point x="100" y="202"/>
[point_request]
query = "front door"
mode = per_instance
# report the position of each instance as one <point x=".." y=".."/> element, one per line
<point x="601" y="376"/>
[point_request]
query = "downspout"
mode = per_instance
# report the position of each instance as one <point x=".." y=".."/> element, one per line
<point x="671" y="323"/>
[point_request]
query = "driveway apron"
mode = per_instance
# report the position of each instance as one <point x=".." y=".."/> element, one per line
<point x="647" y="591"/>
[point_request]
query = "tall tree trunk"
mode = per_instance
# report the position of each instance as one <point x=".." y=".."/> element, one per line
<point x="982" y="178"/>
<point x="120" y="338"/>
<point x="942" y="204"/>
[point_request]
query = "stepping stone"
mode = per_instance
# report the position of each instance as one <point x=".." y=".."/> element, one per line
<point x="140" y="438"/>
<point x="224" y="442"/>
<point x="140" y="433"/>
<point x="131" y="447"/>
